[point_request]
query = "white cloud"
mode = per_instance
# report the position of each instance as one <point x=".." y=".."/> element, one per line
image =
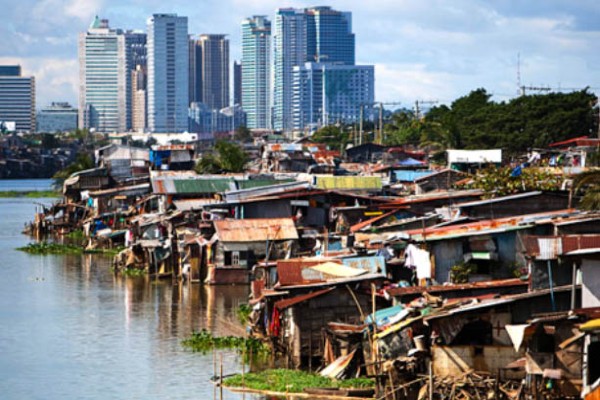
<point x="55" y="79"/>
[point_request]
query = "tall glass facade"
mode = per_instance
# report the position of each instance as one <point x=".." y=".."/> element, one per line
<point x="256" y="71"/>
<point x="317" y="34"/>
<point x="17" y="98"/>
<point x="103" y="78"/>
<point x="168" y="73"/>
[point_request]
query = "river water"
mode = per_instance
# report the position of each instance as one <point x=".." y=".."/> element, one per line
<point x="71" y="329"/>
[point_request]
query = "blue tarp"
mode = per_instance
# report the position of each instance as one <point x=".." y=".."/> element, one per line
<point x="373" y="264"/>
<point x="403" y="175"/>
<point x="382" y="316"/>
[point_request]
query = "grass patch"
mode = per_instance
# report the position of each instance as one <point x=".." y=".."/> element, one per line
<point x="204" y="341"/>
<point x="285" y="380"/>
<point x="43" y="248"/>
<point x="32" y="194"/>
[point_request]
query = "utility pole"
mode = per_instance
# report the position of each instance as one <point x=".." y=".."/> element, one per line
<point x="360" y="129"/>
<point x="380" y="140"/>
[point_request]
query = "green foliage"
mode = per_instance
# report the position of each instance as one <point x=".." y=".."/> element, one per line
<point x="77" y="234"/>
<point x="242" y="134"/>
<point x="227" y="157"/>
<point x="82" y="162"/>
<point x="335" y="137"/>
<point x="476" y="122"/>
<point x="243" y="313"/>
<point x="589" y="184"/>
<point x="204" y="341"/>
<point x="496" y="181"/>
<point x="460" y="272"/>
<point x="285" y="380"/>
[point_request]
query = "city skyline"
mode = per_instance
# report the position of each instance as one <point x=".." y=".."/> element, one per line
<point x="434" y="50"/>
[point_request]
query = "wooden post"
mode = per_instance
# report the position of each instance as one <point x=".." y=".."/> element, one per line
<point x="430" y="380"/>
<point x="221" y="377"/>
<point x="573" y="285"/>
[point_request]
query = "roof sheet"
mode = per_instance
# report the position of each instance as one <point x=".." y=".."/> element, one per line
<point x="285" y="303"/>
<point x="255" y="230"/>
<point x="409" y="175"/>
<point x="348" y="182"/>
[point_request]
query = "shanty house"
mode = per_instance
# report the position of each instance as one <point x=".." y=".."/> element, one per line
<point x="241" y="243"/>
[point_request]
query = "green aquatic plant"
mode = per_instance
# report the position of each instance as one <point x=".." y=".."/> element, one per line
<point x="43" y="248"/>
<point x="286" y="380"/>
<point x="204" y="341"/>
<point x="31" y="194"/>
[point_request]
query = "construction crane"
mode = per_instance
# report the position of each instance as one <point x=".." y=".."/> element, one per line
<point x="378" y="134"/>
<point x="421" y="102"/>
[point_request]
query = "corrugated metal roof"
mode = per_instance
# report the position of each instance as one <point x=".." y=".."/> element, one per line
<point x="285" y="303"/>
<point x="255" y="230"/>
<point x="496" y="200"/>
<point x="348" y="182"/>
<point x="258" y="183"/>
<point x="203" y="186"/>
<point x="486" y="226"/>
<point x="130" y="190"/>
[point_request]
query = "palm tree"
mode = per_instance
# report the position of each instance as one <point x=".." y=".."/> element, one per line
<point x="589" y="183"/>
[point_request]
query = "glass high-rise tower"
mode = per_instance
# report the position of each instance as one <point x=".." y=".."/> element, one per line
<point x="316" y="34"/>
<point x="17" y="98"/>
<point x="168" y="73"/>
<point x="103" y="78"/>
<point x="256" y="71"/>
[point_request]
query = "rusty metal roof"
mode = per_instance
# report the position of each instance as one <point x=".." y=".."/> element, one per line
<point x="536" y="246"/>
<point x="285" y="303"/>
<point x="400" y="291"/>
<point x="255" y="230"/>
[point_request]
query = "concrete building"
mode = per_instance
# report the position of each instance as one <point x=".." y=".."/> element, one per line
<point x="17" y="99"/>
<point x="168" y="73"/>
<point x="256" y="72"/>
<point x="138" y="99"/>
<point x="325" y="94"/>
<point x="237" y="83"/>
<point x="316" y="34"/>
<point x="57" y="117"/>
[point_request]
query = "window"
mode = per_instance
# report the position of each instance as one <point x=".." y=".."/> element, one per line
<point x="235" y="258"/>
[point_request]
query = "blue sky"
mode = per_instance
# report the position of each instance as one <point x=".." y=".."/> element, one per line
<point x="422" y="50"/>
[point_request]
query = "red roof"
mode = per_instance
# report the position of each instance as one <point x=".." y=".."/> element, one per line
<point x="583" y="141"/>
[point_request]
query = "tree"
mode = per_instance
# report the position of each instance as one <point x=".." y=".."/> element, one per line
<point x="589" y="183"/>
<point x="227" y="157"/>
<point x="335" y="137"/>
<point x="82" y="162"/>
<point x="242" y="134"/>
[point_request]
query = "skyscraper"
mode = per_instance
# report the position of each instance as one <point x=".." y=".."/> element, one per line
<point x="316" y="34"/>
<point x="17" y="98"/>
<point x="256" y="72"/>
<point x="214" y="66"/>
<point x="103" y="78"/>
<point x="289" y="50"/>
<point x="168" y="73"/>
<point x="328" y="93"/>
<point x="237" y="83"/>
